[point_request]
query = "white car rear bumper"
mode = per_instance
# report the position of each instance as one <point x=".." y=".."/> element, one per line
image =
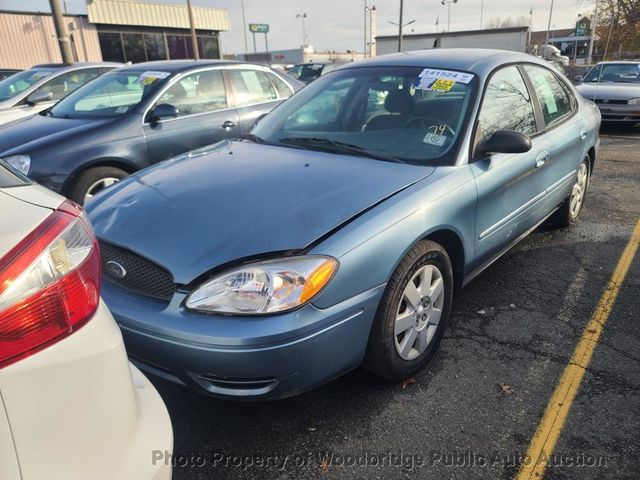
<point x="78" y="410"/>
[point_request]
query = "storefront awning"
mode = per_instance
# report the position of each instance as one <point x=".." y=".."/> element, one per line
<point x="127" y="12"/>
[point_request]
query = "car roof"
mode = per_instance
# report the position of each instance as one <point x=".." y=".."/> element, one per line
<point x="614" y="62"/>
<point x="176" y="66"/>
<point x="477" y="60"/>
<point x="74" y="66"/>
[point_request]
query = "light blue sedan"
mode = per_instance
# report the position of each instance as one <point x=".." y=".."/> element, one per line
<point x="339" y="232"/>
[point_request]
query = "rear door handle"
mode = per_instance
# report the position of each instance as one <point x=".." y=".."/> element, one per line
<point x="583" y="134"/>
<point x="228" y="125"/>
<point x="541" y="159"/>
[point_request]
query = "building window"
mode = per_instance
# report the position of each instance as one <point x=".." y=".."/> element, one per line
<point x="111" y="47"/>
<point x="209" y="47"/>
<point x="177" y="47"/>
<point x="155" y="46"/>
<point x="134" y="50"/>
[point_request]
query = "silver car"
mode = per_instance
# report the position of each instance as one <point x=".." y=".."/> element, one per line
<point x="615" y="88"/>
<point x="32" y="91"/>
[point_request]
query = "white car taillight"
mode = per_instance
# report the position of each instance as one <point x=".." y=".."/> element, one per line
<point x="49" y="284"/>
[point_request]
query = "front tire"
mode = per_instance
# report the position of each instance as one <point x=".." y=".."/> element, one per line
<point x="412" y="314"/>
<point x="568" y="213"/>
<point x="94" y="180"/>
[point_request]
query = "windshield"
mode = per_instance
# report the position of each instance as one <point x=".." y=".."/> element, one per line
<point x="408" y="114"/>
<point x="111" y="95"/>
<point x="615" y="72"/>
<point x="19" y="82"/>
<point x="307" y="72"/>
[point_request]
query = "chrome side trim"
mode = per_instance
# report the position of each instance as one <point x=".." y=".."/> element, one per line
<point x="496" y="226"/>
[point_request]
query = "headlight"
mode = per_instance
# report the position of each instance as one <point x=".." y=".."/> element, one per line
<point x="634" y="101"/>
<point x="21" y="163"/>
<point x="265" y="287"/>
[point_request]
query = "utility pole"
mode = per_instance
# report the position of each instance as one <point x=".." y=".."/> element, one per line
<point x="244" y="31"/>
<point x="481" y="14"/>
<point x="594" y="22"/>
<point x="303" y="16"/>
<point x="366" y="9"/>
<point x="546" y="40"/>
<point x="194" y="39"/>
<point x="400" y="27"/>
<point x="61" y="32"/>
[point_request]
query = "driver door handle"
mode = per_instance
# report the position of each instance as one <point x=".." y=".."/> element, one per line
<point x="542" y="158"/>
<point x="228" y="125"/>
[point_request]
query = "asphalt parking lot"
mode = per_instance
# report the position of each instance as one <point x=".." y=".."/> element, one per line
<point x="473" y="412"/>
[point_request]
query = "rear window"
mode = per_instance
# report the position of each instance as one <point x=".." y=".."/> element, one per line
<point x="11" y="178"/>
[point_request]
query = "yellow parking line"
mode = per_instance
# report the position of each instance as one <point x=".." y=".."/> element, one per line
<point x="549" y="428"/>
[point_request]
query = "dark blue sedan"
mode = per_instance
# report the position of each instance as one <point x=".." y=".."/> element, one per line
<point x="136" y="116"/>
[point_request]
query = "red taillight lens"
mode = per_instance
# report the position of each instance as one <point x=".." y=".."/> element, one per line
<point x="49" y="284"/>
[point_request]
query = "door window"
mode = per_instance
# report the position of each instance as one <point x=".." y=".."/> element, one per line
<point x="554" y="99"/>
<point x="252" y="86"/>
<point x="198" y="92"/>
<point x="283" y="89"/>
<point x="66" y="83"/>
<point x="507" y="104"/>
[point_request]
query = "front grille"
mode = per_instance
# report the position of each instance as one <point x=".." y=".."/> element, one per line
<point x="140" y="275"/>
<point x="601" y="101"/>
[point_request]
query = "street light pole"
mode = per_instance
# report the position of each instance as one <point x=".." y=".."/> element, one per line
<point x="194" y="40"/>
<point x="303" y="16"/>
<point x="448" y="3"/>
<point x="400" y="27"/>
<point x="61" y="32"/>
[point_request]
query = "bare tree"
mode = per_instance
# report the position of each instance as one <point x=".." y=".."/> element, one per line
<point x="498" y="22"/>
<point x="618" y="29"/>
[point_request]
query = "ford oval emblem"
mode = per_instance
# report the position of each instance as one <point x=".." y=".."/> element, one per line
<point x="115" y="269"/>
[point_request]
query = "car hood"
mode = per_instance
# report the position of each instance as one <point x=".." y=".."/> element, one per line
<point x="609" y="90"/>
<point x="239" y="199"/>
<point x="26" y="135"/>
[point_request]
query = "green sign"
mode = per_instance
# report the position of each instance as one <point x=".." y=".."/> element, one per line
<point x="258" y="28"/>
<point x="582" y="27"/>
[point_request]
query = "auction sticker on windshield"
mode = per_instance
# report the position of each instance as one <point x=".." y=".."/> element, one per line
<point x="147" y="78"/>
<point x="441" y="80"/>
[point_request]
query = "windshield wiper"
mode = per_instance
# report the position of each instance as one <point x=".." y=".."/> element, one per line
<point x="337" y="147"/>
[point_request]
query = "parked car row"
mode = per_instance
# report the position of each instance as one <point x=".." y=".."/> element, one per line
<point x="335" y="232"/>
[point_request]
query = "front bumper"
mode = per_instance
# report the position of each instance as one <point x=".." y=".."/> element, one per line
<point x="619" y="113"/>
<point x="250" y="357"/>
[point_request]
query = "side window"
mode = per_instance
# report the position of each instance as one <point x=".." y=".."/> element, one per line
<point x="507" y="104"/>
<point x="554" y="98"/>
<point x="283" y="89"/>
<point x="198" y="92"/>
<point x="252" y="86"/>
<point x="321" y="111"/>
<point x="66" y="83"/>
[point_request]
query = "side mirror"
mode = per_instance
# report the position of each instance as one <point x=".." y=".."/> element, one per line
<point x="578" y="79"/>
<point x="504" y="141"/>
<point x="258" y="118"/>
<point x="162" y="111"/>
<point x="39" y="97"/>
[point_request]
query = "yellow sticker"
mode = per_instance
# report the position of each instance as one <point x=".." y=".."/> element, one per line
<point x="442" y="85"/>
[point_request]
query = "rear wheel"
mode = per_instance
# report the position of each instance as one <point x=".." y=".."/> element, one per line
<point x="412" y="314"/>
<point x="94" y="180"/>
<point x="569" y="211"/>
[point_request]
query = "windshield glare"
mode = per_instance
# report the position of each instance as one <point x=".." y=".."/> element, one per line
<point x="19" y="82"/>
<point x="111" y="95"/>
<point x="615" y="72"/>
<point x="382" y="110"/>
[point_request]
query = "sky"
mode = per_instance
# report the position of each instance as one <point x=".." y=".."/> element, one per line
<point x="338" y="24"/>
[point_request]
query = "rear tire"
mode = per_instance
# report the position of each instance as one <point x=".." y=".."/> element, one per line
<point x="568" y="213"/>
<point x="94" y="180"/>
<point x="412" y="314"/>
